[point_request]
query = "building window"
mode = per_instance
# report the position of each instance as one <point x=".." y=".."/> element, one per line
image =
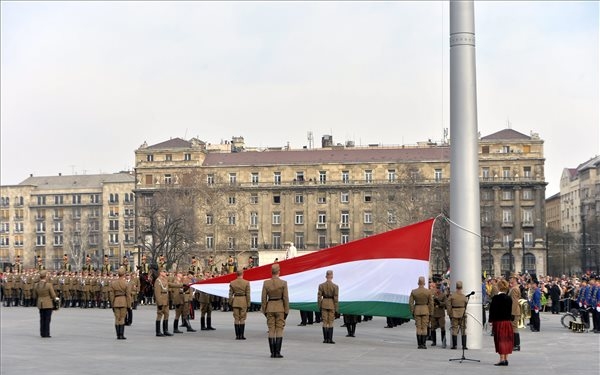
<point x="276" y="240"/>
<point x="486" y="217"/>
<point x="368" y="176"/>
<point x="232" y="178"/>
<point x="276" y="198"/>
<point x="254" y="242"/>
<point x="345" y="238"/>
<point x="528" y="239"/>
<point x="527" y="172"/>
<point x="368" y="217"/>
<point x="321" y="199"/>
<point x="391" y="217"/>
<point x="529" y="263"/>
<point x="93" y="239"/>
<point x="58" y="199"/>
<point x="322" y="177"/>
<point x="485" y="173"/>
<point x="506" y="173"/>
<point x="299" y="177"/>
<point x="168" y="157"/>
<point x="254" y="178"/>
<point x="149" y="157"/>
<point x="187" y="157"/>
<point x="40" y="240"/>
<point x="276" y="218"/>
<point x="58" y="226"/>
<point x="437" y="175"/>
<point x="231" y="218"/>
<point x="507" y="195"/>
<point x="168" y="179"/>
<point x="18" y="227"/>
<point x="40" y="227"/>
<point x="210" y="179"/>
<point x="209" y="219"/>
<point x="254" y="198"/>
<point x="230" y="243"/>
<point x="507" y="216"/>
<point x="113" y="225"/>
<point x="58" y="240"/>
<point x="41" y="200"/>
<point x="299" y="240"/>
<point x="527" y="216"/>
<point x="231" y="199"/>
<point x="299" y="218"/>
<point x="210" y="242"/>
<point x="276" y="178"/>
<point x="345" y="219"/>
<point x="485" y="149"/>
<point x="505" y="149"/>
<point x="368" y="196"/>
<point x="506" y="263"/>
<point x="344" y="197"/>
<point x="58" y="213"/>
<point x="253" y="219"/>
<point x="527" y="194"/>
<point x="345" y="177"/>
<point x="487" y="195"/>
<point x="322" y="241"/>
<point x="391" y="175"/>
<point x="299" y="198"/>
<point x="322" y="217"/>
<point x="76" y="198"/>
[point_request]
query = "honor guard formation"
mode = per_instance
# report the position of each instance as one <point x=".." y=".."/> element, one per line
<point x="513" y="302"/>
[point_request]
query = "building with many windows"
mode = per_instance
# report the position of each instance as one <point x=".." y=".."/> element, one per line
<point x="238" y="201"/>
<point x="76" y="215"/>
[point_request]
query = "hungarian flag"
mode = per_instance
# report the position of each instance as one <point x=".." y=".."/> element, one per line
<point x="375" y="275"/>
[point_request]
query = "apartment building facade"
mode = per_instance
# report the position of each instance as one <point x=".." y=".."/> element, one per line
<point x="77" y="215"/>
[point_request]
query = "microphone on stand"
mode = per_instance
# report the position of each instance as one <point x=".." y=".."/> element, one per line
<point x="470" y="294"/>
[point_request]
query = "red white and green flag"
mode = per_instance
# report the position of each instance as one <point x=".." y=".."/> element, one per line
<point x="375" y="274"/>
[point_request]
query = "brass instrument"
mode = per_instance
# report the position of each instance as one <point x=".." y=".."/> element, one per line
<point x="525" y="312"/>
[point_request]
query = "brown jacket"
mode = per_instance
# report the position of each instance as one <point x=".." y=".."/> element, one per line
<point x="161" y="291"/>
<point x="120" y="293"/>
<point x="327" y="296"/>
<point x="421" y="301"/>
<point x="456" y="305"/>
<point x="239" y="293"/>
<point x="515" y="295"/>
<point x="275" y="296"/>
<point x="44" y="292"/>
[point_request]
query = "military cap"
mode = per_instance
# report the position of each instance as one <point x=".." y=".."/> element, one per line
<point x="459" y="285"/>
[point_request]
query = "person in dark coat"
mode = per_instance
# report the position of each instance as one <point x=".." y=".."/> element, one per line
<point x="46" y="297"/>
<point x="501" y="320"/>
<point x="555" y="297"/>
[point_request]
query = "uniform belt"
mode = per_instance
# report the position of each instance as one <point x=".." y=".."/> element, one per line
<point x="274" y="299"/>
<point x="458" y="307"/>
<point x="421" y="304"/>
<point x="164" y="292"/>
<point x="240" y="295"/>
<point x="327" y="297"/>
<point x="120" y="295"/>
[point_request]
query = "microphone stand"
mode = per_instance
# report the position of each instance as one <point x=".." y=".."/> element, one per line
<point x="460" y="325"/>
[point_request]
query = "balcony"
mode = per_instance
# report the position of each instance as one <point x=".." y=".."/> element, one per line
<point x="344" y="225"/>
<point x="527" y="224"/>
<point x="321" y="226"/>
<point x="507" y="224"/>
<point x="253" y="227"/>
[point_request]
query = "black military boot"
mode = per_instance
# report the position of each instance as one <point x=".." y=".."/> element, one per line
<point x="331" y="335"/>
<point x="325" y="336"/>
<point x="454" y="340"/>
<point x="272" y="346"/>
<point x="158" y="332"/>
<point x="278" y="341"/>
<point x="517" y="343"/>
<point x="209" y="326"/>
<point x="202" y="324"/>
<point x="443" y="339"/>
<point x="353" y="330"/>
<point x="166" y="328"/>
<point x="433" y="335"/>
<point x="176" y="326"/>
<point x="118" y="330"/>
<point x="349" y="329"/>
<point x="464" y="342"/>
<point x="237" y="331"/>
<point x="188" y="325"/>
<point x="123" y="332"/>
<point x="242" y="329"/>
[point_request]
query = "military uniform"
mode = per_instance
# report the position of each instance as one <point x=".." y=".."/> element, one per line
<point x="515" y="295"/>
<point x="45" y="295"/>
<point x="239" y="298"/>
<point x="120" y="300"/>
<point x="421" y="307"/>
<point x="205" y="312"/>
<point x="438" y="318"/>
<point x="161" y="296"/>
<point x="327" y="300"/>
<point x="187" y="299"/>
<point x="275" y="306"/>
<point x="9" y="286"/>
<point x="456" y="306"/>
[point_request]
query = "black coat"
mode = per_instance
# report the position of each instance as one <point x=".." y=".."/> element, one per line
<point x="555" y="292"/>
<point x="500" y="308"/>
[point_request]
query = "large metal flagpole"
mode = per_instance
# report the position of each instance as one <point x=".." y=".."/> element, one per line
<point x="465" y="237"/>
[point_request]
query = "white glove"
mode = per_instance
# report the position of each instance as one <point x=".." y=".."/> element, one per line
<point x="598" y="308"/>
<point x="580" y="304"/>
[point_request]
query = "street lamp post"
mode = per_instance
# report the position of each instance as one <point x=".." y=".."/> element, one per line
<point x="523" y="258"/>
<point x="491" y="258"/>
<point x="512" y="261"/>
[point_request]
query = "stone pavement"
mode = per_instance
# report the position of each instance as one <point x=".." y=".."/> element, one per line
<point x="83" y="342"/>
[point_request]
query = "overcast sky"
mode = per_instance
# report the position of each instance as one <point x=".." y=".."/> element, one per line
<point x="84" y="84"/>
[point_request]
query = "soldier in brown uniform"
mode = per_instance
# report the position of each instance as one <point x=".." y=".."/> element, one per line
<point x="421" y="307"/>
<point x="205" y="312"/>
<point x="239" y="298"/>
<point x="9" y="288"/>
<point x="27" y="286"/>
<point x="120" y="300"/>
<point x="187" y="299"/>
<point x="125" y="264"/>
<point x="45" y="295"/>
<point x="161" y="296"/>
<point x="65" y="266"/>
<point x="457" y="302"/>
<point x="275" y="306"/>
<point x="438" y="319"/>
<point x="106" y="266"/>
<point x="177" y="290"/>
<point x="327" y="299"/>
<point x="515" y="295"/>
<point x="40" y="263"/>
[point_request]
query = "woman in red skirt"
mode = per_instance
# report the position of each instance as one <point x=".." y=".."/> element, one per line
<point x="500" y="319"/>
